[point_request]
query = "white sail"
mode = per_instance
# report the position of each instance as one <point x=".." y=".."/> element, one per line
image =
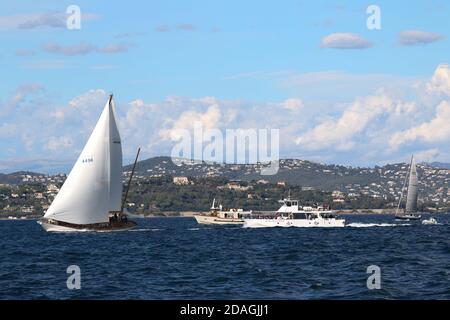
<point x="94" y="186"/>
<point x="413" y="186"/>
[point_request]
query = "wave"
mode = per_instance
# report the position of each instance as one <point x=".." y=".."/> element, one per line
<point x="369" y="225"/>
<point x="144" y="230"/>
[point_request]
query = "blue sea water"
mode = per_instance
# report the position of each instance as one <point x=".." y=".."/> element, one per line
<point x="174" y="258"/>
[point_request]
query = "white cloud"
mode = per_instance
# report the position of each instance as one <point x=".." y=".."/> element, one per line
<point x="427" y="155"/>
<point x="293" y="104"/>
<point x="187" y="120"/>
<point x="7" y="129"/>
<point x="83" y="106"/>
<point x="53" y="19"/>
<point x="345" y="41"/>
<point x="436" y="130"/>
<point x="367" y="130"/>
<point x="339" y="133"/>
<point x="58" y="143"/>
<point x="19" y="97"/>
<point x="417" y="37"/>
<point x="71" y="50"/>
<point x="84" y="48"/>
<point x="440" y="82"/>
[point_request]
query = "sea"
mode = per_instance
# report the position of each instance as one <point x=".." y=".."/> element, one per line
<point x="373" y="257"/>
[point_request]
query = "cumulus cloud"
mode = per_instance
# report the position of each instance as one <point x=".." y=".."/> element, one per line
<point x="7" y="129"/>
<point x="440" y="82"/>
<point x="84" y="48"/>
<point x="20" y="95"/>
<point x="83" y="106"/>
<point x="427" y="155"/>
<point x="367" y="130"/>
<point x="339" y="133"/>
<point x="438" y="129"/>
<point x="417" y="37"/>
<point x="189" y="119"/>
<point x="58" y="143"/>
<point x="345" y="41"/>
<point x="293" y="104"/>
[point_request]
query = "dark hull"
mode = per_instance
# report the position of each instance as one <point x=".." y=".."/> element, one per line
<point x="408" y="217"/>
<point x="55" y="225"/>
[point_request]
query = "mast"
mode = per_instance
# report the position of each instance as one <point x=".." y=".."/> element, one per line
<point x="129" y="181"/>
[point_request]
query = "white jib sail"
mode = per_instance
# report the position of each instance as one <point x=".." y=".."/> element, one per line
<point x="94" y="186"/>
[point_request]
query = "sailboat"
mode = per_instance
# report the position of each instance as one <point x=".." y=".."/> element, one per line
<point x="91" y="197"/>
<point x="410" y="211"/>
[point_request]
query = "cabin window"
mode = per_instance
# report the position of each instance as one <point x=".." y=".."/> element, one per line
<point x="288" y="203"/>
<point x="300" y="215"/>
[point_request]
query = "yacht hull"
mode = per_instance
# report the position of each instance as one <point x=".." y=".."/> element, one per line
<point x="408" y="217"/>
<point x="216" y="220"/>
<point x="54" y="226"/>
<point x="298" y="223"/>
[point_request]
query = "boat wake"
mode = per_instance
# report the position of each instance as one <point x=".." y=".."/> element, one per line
<point x="369" y="225"/>
<point x="144" y="230"/>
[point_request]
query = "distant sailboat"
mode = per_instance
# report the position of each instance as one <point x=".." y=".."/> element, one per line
<point x="410" y="211"/>
<point x="91" y="196"/>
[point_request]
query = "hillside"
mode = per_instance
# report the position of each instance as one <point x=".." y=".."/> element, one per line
<point x="16" y="177"/>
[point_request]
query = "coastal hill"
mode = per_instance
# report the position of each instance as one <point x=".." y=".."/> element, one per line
<point x="16" y="177"/>
<point x="292" y="171"/>
<point x="163" y="185"/>
<point x="434" y="176"/>
<point x="304" y="173"/>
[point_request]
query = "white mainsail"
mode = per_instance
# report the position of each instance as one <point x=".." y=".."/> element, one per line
<point x="94" y="186"/>
<point x="413" y="188"/>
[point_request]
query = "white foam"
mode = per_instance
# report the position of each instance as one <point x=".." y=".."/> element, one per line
<point x="140" y="230"/>
<point x="369" y="225"/>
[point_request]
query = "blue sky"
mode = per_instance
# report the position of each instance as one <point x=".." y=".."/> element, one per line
<point x="252" y="59"/>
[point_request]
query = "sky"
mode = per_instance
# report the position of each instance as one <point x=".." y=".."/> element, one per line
<point x="338" y="91"/>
